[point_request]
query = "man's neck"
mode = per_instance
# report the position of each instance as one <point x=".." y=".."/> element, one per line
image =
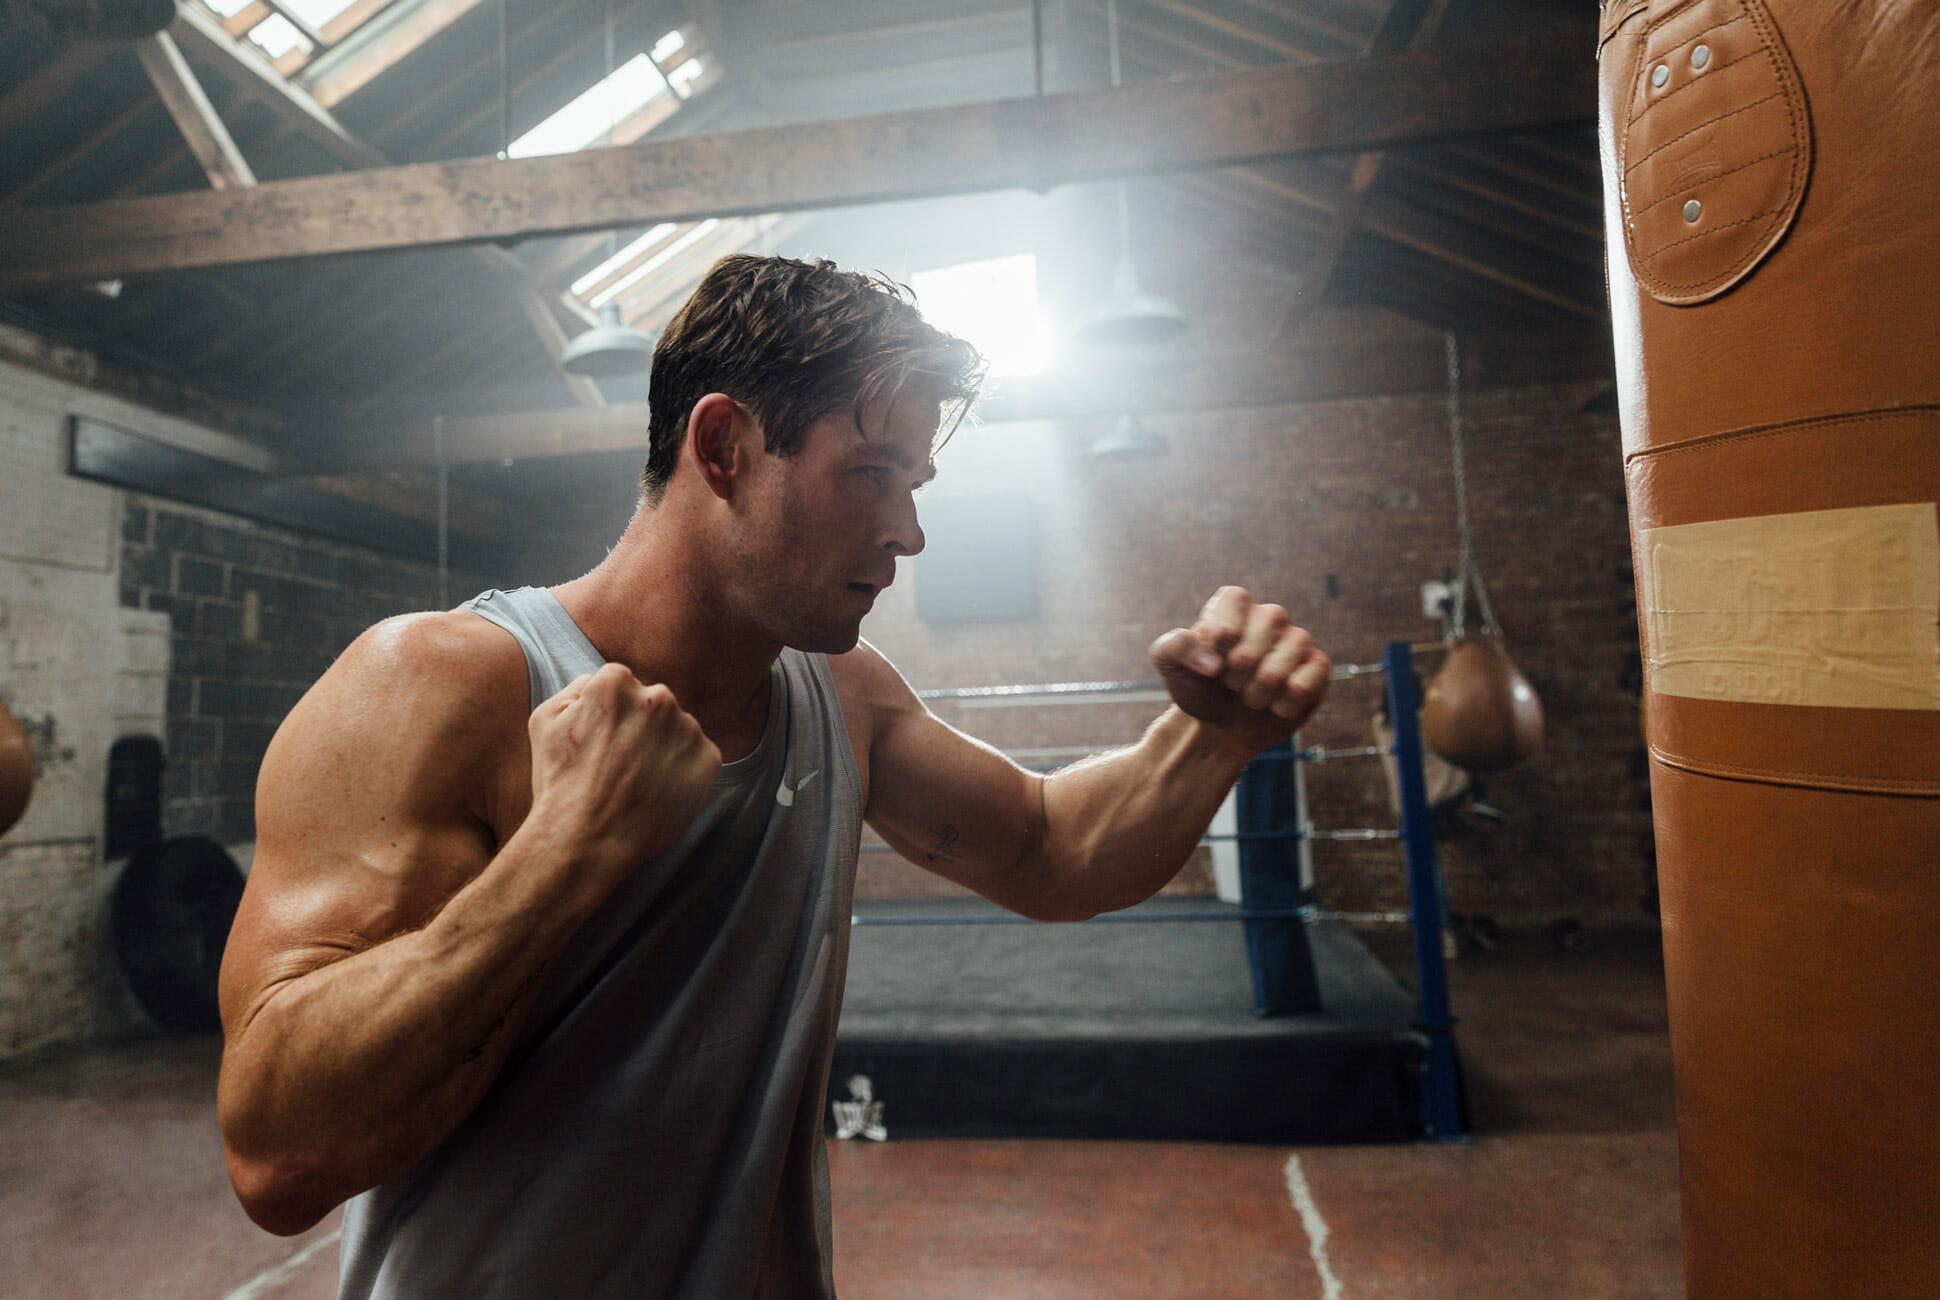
<point x="647" y="606"/>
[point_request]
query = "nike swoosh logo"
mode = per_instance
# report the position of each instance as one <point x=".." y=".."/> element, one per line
<point x="786" y="797"/>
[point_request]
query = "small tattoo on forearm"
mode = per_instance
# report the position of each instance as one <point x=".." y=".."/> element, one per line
<point x="944" y="842"/>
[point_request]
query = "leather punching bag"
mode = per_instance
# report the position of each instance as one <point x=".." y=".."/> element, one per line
<point x="16" y="770"/>
<point x="1480" y="712"/>
<point x="1773" y="214"/>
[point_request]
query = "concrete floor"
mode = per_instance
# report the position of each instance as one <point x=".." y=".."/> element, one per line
<point x="111" y="1181"/>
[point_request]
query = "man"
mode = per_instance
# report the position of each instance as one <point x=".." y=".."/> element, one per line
<point x="542" y="952"/>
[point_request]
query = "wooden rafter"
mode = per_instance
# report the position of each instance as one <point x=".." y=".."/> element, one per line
<point x="1201" y="16"/>
<point x="201" y="126"/>
<point x="1028" y="143"/>
<point x="379" y="46"/>
<point x="296" y="108"/>
<point x="49" y="85"/>
<point x="1272" y="377"/>
<point x="1390" y="219"/>
<point x="200" y="34"/>
<point x="1407" y="23"/>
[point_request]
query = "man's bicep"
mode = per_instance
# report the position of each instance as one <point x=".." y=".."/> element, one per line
<point x="945" y="800"/>
<point x="361" y="835"/>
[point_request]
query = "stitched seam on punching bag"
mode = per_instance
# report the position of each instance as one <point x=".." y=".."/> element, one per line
<point x="1711" y="71"/>
<point x="1734" y="771"/>
<point x="1658" y="252"/>
<point x="1780" y="430"/>
<point x="1682" y="190"/>
<point x="1801" y="148"/>
<point x="1709" y="121"/>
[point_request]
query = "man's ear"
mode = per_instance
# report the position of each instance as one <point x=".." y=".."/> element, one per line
<point x="718" y="434"/>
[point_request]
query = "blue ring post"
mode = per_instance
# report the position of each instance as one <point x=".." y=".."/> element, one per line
<point x="1442" y="1112"/>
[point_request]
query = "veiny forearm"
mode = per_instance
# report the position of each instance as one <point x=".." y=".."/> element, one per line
<point x="1117" y="828"/>
<point x="351" y="1073"/>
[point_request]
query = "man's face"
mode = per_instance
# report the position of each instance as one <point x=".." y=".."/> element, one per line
<point x="824" y="527"/>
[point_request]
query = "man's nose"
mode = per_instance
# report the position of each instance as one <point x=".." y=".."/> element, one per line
<point x="903" y="534"/>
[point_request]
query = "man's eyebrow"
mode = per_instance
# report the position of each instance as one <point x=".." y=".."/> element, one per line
<point x="901" y="459"/>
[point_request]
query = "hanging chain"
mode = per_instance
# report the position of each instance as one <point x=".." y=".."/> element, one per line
<point x="504" y="85"/>
<point x="1471" y="567"/>
<point x="1037" y="46"/>
<point x="444" y="511"/>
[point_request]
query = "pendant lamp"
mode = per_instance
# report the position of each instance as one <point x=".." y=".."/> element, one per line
<point x="1130" y="317"/>
<point x="609" y="348"/>
<point x="612" y="347"/>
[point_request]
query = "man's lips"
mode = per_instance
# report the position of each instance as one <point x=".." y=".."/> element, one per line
<point x="872" y="588"/>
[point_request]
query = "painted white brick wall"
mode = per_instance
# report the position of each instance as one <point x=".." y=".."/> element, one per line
<point x="78" y="671"/>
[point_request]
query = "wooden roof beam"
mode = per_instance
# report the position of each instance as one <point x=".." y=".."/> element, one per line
<point x="1031" y="143"/>
<point x="297" y="109"/>
<point x="1406" y="24"/>
<point x="50" y="84"/>
<point x="200" y="33"/>
<point x="208" y="139"/>
<point x="378" y="46"/>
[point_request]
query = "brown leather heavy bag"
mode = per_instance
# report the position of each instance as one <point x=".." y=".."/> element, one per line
<point x="16" y="770"/>
<point x="1772" y="191"/>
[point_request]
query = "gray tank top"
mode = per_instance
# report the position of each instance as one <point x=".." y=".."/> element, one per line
<point x="658" y="1130"/>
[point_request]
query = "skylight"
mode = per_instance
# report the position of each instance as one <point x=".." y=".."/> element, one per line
<point x="228" y="8"/>
<point x="668" y="46"/>
<point x="994" y="305"/>
<point x="596" y="111"/>
<point x="693" y="235"/>
<point x="278" y="36"/>
<point x="620" y="259"/>
<point x="316" y="12"/>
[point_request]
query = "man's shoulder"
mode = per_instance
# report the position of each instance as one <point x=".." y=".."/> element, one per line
<point x="449" y="674"/>
<point x="450" y="651"/>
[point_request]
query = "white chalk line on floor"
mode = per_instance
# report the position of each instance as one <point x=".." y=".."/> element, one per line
<point x="1303" y="1203"/>
<point x="281" y="1273"/>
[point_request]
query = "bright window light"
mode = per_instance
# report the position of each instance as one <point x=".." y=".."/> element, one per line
<point x="687" y="72"/>
<point x="668" y="46"/>
<point x="278" y="36"/>
<point x="595" y="112"/>
<point x="621" y="258"/>
<point x="227" y="8"/>
<point x="654" y="263"/>
<point x="316" y="12"/>
<point x="993" y="304"/>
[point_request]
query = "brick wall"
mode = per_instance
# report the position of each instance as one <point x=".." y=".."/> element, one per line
<point x="256" y="615"/>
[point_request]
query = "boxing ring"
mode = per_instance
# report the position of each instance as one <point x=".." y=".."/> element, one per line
<point x="1153" y="1022"/>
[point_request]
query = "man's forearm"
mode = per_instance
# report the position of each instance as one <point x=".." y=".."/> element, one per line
<point x="1117" y="828"/>
<point x="350" y="1073"/>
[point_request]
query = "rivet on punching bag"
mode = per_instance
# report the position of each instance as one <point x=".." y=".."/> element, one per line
<point x="1481" y="714"/>
<point x="16" y="770"/>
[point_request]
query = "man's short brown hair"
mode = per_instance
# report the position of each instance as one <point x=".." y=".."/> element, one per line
<point x="792" y="341"/>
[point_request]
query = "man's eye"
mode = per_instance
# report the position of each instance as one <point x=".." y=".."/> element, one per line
<point x="874" y="473"/>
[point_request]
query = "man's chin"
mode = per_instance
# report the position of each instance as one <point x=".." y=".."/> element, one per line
<point x="834" y="640"/>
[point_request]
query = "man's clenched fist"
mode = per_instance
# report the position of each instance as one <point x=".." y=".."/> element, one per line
<point x="620" y="766"/>
<point x="1244" y="668"/>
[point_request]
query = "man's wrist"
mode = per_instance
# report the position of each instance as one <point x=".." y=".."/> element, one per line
<point x="1213" y="744"/>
